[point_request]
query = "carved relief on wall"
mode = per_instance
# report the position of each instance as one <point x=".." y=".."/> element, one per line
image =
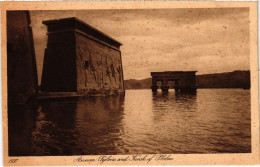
<point x="105" y="71"/>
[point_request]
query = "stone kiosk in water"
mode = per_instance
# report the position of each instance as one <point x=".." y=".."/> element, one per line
<point x="80" y="60"/>
<point x="184" y="81"/>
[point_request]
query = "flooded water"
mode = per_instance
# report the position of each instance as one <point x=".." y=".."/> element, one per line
<point x="212" y="121"/>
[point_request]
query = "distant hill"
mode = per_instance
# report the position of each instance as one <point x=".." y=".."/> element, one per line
<point x="235" y="79"/>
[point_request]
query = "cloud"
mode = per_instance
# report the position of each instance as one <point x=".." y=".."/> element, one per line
<point x="207" y="40"/>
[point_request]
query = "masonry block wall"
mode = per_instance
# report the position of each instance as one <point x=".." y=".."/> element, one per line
<point x="80" y="58"/>
<point x="21" y="64"/>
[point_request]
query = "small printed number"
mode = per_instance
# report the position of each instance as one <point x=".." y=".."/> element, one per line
<point x="13" y="160"/>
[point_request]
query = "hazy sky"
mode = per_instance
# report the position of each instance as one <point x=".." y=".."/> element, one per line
<point x="206" y="40"/>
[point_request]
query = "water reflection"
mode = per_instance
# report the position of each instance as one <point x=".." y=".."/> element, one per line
<point x="174" y="112"/>
<point x="141" y="122"/>
<point x="67" y="127"/>
<point x="55" y="127"/>
<point x="183" y="102"/>
<point x="21" y="121"/>
<point x="99" y="124"/>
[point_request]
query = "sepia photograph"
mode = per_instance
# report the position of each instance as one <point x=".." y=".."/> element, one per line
<point x="142" y="83"/>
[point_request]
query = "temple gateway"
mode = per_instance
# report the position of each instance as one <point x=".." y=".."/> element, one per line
<point x="80" y="60"/>
<point x="184" y="81"/>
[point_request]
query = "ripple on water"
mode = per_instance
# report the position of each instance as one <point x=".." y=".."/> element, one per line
<point x="212" y="121"/>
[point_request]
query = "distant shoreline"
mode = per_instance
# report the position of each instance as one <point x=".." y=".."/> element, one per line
<point x="228" y="80"/>
<point x="197" y="88"/>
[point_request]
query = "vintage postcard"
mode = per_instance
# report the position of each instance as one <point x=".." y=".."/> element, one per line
<point x="129" y="83"/>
